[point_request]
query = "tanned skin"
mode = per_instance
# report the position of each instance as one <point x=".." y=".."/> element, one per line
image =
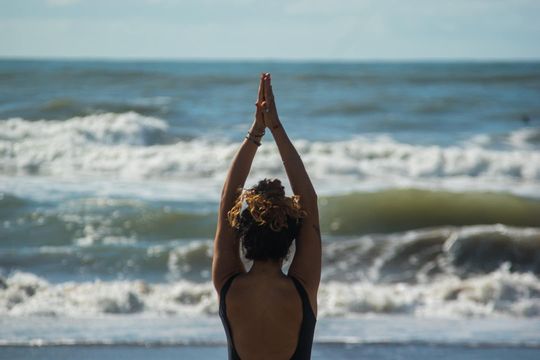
<point x="263" y="306"/>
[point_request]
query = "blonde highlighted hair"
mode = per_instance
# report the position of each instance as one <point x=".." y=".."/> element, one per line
<point x="267" y="204"/>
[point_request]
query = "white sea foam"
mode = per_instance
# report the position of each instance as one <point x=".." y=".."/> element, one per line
<point x="498" y="293"/>
<point x="527" y="138"/>
<point x="130" y="148"/>
<point x="106" y="129"/>
<point x="28" y="294"/>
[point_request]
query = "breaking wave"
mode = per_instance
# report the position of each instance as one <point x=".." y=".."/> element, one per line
<point x="467" y="271"/>
<point x="498" y="293"/>
<point x="129" y="146"/>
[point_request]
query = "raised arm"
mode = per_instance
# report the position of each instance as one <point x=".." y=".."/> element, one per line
<point x="226" y="260"/>
<point x="306" y="264"/>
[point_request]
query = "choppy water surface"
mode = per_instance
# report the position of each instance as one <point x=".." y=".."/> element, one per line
<point x="428" y="174"/>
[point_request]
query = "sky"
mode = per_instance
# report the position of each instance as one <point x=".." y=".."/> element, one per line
<point x="272" y="29"/>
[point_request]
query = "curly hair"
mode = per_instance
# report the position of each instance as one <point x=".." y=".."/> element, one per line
<point x="266" y="220"/>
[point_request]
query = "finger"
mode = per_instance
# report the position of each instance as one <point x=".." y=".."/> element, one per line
<point x="270" y="97"/>
<point x="267" y="90"/>
<point x="258" y="111"/>
<point x="259" y="108"/>
<point x="260" y="96"/>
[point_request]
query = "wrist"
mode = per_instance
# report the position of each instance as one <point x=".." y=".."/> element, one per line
<point x="253" y="140"/>
<point x="255" y="133"/>
<point x="276" y="127"/>
<point x="257" y="125"/>
<point x="257" y="130"/>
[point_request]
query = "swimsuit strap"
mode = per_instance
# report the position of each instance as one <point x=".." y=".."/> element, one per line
<point x="307" y="327"/>
<point x="233" y="355"/>
<point x="226" y="287"/>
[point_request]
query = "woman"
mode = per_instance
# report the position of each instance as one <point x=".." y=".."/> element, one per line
<point x="267" y="314"/>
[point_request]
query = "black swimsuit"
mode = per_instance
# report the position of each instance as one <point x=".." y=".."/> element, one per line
<point x="305" y="337"/>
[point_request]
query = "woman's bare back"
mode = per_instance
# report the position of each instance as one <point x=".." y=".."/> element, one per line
<point x="265" y="315"/>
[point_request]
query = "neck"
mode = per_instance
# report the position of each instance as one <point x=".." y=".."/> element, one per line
<point x="267" y="268"/>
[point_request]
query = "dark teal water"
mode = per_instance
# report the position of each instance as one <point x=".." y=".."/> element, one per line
<point x="419" y="103"/>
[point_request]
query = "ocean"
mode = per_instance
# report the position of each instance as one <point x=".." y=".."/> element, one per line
<point x="428" y="177"/>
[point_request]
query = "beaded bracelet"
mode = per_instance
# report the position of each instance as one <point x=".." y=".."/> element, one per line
<point x="258" y="143"/>
<point x="257" y="135"/>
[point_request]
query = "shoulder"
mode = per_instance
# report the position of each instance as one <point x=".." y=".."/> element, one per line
<point x="225" y="283"/>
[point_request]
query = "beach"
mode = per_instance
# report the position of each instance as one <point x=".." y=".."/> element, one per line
<point x="428" y="176"/>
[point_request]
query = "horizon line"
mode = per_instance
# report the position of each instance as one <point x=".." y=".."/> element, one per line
<point x="275" y="60"/>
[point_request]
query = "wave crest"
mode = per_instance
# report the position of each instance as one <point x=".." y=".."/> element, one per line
<point x="498" y="293"/>
<point x="130" y="148"/>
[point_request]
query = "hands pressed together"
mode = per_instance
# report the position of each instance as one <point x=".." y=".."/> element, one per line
<point x="266" y="113"/>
